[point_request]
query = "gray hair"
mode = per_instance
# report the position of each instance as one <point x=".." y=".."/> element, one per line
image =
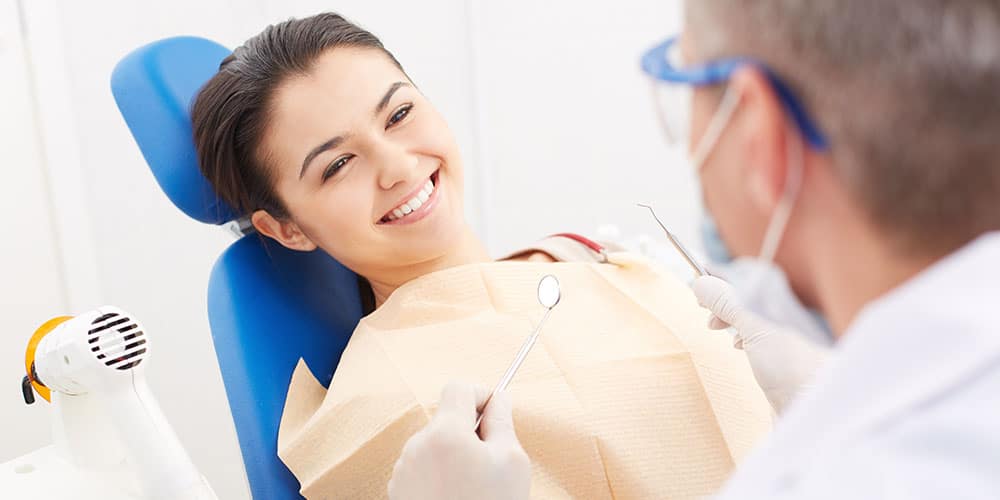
<point x="906" y="91"/>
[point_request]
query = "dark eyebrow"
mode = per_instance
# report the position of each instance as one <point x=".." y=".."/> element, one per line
<point x="388" y="95"/>
<point x="332" y="143"/>
<point x="337" y="141"/>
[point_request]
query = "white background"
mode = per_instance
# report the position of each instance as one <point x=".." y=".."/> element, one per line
<point x="545" y="99"/>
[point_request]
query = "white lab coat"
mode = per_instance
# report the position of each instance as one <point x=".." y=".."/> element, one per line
<point x="907" y="406"/>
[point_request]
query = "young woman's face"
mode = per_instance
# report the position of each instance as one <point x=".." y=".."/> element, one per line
<point x="366" y="167"/>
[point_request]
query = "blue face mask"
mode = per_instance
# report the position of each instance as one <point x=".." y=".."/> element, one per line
<point x="774" y="299"/>
<point x="761" y="285"/>
<point x="715" y="248"/>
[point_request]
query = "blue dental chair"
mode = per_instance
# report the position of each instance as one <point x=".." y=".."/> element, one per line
<point x="268" y="306"/>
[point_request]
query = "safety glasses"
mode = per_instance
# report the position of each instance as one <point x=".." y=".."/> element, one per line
<point x="673" y="83"/>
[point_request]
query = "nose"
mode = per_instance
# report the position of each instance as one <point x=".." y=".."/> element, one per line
<point x="395" y="165"/>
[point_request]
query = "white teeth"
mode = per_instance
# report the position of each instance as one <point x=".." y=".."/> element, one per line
<point x="414" y="204"/>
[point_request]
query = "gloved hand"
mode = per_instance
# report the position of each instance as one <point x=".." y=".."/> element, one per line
<point x="782" y="361"/>
<point x="447" y="460"/>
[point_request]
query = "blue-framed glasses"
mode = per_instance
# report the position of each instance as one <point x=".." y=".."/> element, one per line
<point x="665" y="65"/>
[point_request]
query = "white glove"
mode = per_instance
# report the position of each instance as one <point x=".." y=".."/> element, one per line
<point x="782" y="361"/>
<point x="447" y="460"/>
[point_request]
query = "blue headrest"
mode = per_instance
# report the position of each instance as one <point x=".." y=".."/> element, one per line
<point x="268" y="307"/>
<point x="173" y="69"/>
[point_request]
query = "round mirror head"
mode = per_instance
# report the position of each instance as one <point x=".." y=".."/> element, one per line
<point x="548" y="291"/>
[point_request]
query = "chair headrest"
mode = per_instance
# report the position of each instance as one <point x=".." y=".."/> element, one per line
<point x="154" y="87"/>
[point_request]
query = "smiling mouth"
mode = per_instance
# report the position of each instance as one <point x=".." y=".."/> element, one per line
<point x="411" y="208"/>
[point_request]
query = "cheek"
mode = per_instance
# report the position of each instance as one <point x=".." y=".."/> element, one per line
<point x="439" y="142"/>
<point x="721" y="204"/>
<point x="727" y="199"/>
<point x="334" y="216"/>
<point x="433" y="139"/>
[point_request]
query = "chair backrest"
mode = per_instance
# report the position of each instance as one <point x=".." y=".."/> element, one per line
<point x="268" y="306"/>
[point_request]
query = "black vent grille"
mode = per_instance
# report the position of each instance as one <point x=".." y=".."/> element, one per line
<point x="117" y="341"/>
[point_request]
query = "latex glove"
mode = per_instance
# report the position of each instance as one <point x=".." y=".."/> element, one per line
<point x="783" y="362"/>
<point x="448" y="460"/>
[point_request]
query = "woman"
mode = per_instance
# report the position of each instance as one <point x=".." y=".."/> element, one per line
<point x="314" y="130"/>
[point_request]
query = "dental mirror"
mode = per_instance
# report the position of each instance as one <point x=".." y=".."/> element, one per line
<point x="548" y="292"/>
<point x="548" y="296"/>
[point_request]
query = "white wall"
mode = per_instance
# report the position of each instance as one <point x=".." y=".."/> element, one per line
<point x="32" y="288"/>
<point x="545" y="99"/>
<point x="568" y="127"/>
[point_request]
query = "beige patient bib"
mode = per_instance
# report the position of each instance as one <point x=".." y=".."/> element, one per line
<point x="626" y="395"/>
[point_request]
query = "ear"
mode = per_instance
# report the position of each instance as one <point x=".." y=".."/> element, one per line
<point x="763" y="124"/>
<point x="284" y="231"/>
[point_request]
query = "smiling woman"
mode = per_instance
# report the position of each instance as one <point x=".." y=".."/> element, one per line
<point x="351" y="144"/>
<point x="315" y="131"/>
<point x="323" y="140"/>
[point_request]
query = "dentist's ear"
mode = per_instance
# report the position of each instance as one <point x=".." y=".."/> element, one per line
<point x="764" y="125"/>
<point x="284" y="231"/>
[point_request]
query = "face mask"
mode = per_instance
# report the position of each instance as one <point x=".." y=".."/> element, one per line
<point x="760" y="284"/>
<point x="715" y="248"/>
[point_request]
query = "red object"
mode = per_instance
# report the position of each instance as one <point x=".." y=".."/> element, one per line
<point x="587" y="242"/>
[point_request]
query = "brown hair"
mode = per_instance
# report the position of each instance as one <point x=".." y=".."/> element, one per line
<point x="231" y="112"/>
<point x="907" y="93"/>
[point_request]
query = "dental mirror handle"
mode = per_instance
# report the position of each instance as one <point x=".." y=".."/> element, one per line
<point x="512" y="369"/>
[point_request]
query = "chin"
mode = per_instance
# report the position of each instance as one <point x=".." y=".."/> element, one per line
<point x="443" y="238"/>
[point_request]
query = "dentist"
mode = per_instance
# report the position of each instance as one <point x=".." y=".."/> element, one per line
<point x="849" y="155"/>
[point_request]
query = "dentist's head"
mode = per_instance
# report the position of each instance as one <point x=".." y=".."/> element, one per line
<point x="880" y="146"/>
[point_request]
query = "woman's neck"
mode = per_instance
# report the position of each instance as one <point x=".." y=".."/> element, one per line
<point x="469" y="250"/>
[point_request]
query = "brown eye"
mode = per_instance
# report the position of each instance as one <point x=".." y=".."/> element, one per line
<point x="399" y="115"/>
<point x="334" y="167"/>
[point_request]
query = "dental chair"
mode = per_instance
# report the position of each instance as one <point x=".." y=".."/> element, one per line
<point x="267" y="306"/>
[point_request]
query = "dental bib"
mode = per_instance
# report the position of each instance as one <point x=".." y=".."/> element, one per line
<point x="626" y="395"/>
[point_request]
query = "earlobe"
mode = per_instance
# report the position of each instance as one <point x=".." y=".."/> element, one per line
<point x="284" y="231"/>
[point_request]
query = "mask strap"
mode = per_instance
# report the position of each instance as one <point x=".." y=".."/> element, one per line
<point x="776" y="228"/>
<point x="715" y="128"/>
<point x="661" y="115"/>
